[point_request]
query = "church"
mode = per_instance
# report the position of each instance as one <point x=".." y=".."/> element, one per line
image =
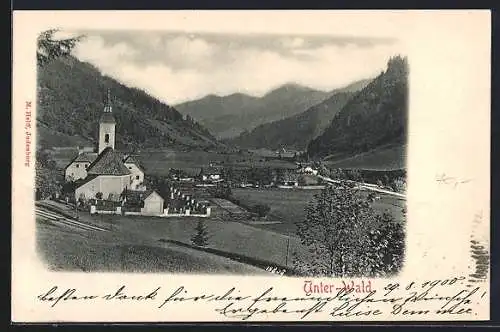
<point x="106" y="173"/>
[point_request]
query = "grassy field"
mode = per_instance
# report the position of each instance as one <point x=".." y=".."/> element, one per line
<point x="386" y="158"/>
<point x="160" y="161"/>
<point x="120" y="250"/>
<point x="288" y="205"/>
<point x="139" y="236"/>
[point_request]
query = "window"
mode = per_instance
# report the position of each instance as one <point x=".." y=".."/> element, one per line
<point x="77" y="165"/>
<point x="137" y="177"/>
<point x="86" y="166"/>
<point x="130" y="167"/>
<point x="106" y="138"/>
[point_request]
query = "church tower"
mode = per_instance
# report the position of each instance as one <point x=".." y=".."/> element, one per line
<point x="107" y="127"/>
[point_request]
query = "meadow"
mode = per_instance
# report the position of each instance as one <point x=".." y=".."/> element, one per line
<point x="69" y="250"/>
<point x="288" y="205"/>
<point x="149" y="240"/>
<point x="158" y="162"/>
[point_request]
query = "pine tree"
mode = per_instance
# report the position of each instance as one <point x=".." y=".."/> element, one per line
<point x="200" y="239"/>
<point x="50" y="48"/>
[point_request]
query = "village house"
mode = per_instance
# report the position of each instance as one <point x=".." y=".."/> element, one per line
<point x="77" y="168"/>
<point x="211" y="174"/>
<point x="137" y="173"/>
<point x="147" y="202"/>
<point x="307" y="170"/>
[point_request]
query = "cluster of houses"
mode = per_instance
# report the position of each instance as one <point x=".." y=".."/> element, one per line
<point x="114" y="183"/>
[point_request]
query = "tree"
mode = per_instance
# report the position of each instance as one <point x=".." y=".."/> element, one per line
<point x="50" y="48"/>
<point x="46" y="183"/>
<point x="200" y="239"/>
<point x="387" y="245"/>
<point x="343" y="235"/>
<point x="222" y="190"/>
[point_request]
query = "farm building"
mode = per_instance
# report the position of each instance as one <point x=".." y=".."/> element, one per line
<point x="77" y="168"/>
<point x="211" y="174"/>
<point x="137" y="173"/>
<point x="147" y="202"/>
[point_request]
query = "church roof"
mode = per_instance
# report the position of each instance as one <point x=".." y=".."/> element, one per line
<point x="107" y="117"/>
<point x="81" y="182"/>
<point x="108" y="163"/>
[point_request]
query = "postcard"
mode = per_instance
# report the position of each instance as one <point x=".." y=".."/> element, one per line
<point x="251" y="166"/>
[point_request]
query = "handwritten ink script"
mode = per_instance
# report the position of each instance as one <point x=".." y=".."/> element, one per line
<point x="448" y="180"/>
<point x="447" y="298"/>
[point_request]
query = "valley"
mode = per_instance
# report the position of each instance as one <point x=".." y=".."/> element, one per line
<point x="257" y="163"/>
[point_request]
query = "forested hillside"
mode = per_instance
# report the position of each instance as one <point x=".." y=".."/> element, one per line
<point x="374" y="117"/>
<point x="71" y="96"/>
<point x="297" y="131"/>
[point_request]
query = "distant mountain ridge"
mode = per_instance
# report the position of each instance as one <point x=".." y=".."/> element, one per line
<point x="71" y="98"/>
<point x="376" y="116"/>
<point x="228" y="116"/>
<point x="297" y="131"/>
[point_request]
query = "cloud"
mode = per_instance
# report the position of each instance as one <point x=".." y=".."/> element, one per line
<point x="179" y="67"/>
<point x="293" y="42"/>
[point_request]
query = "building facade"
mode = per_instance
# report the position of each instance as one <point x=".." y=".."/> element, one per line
<point x="137" y="174"/>
<point x="77" y="168"/>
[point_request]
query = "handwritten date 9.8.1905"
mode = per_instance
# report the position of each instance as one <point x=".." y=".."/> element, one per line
<point x="444" y="297"/>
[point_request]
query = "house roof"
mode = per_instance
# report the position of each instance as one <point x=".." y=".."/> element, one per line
<point x="135" y="197"/>
<point x="130" y="159"/>
<point x="85" y="157"/>
<point x="108" y="163"/>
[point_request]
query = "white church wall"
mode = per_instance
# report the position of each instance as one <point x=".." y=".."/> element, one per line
<point x="106" y="184"/>
<point x="106" y="129"/>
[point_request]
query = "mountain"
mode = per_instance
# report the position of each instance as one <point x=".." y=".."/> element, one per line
<point x="375" y="117"/>
<point x="228" y="116"/>
<point x="297" y="131"/>
<point x="71" y="97"/>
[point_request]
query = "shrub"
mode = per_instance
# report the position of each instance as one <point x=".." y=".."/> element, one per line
<point x="261" y="209"/>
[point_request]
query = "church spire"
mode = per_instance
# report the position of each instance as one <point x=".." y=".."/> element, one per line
<point x="108" y="107"/>
<point x="107" y="126"/>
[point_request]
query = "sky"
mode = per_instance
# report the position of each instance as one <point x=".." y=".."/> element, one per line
<point x="180" y="66"/>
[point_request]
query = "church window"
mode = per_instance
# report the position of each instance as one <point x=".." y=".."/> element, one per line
<point x="106" y="138"/>
<point x="77" y="165"/>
